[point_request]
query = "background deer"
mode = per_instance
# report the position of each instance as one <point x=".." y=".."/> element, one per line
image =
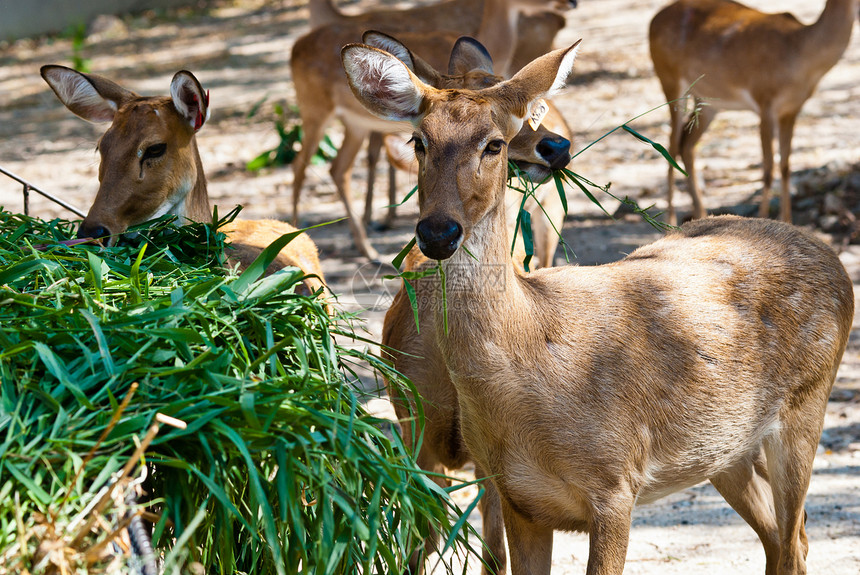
<point x="322" y="91"/>
<point x="728" y="56"/>
<point x="709" y="354"/>
<point x="150" y="166"/>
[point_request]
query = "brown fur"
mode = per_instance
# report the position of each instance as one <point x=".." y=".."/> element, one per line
<point x="583" y="391"/>
<point x="135" y="187"/>
<point x="768" y="63"/>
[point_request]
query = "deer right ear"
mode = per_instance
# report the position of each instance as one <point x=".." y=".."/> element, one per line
<point x="189" y="99"/>
<point x="91" y="97"/>
<point x="383" y="84"/>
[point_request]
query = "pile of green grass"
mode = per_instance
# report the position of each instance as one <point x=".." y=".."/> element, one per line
<point x="279" y="469"/>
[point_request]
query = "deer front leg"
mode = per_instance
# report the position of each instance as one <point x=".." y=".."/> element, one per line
<point x="609" y="533"/>
<point x="530" y="544"/>
<point x="495" y="559"/>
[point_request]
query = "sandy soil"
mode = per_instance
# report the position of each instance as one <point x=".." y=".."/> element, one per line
<point x="240" y="51"/>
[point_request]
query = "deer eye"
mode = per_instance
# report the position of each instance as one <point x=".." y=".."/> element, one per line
<point x="494" y="147"/>
<point x="154" y="151"/>
<point x="419" y="145"/>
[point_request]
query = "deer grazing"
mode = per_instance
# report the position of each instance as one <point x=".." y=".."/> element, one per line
<point x="322" y="91"/>
<point x="729" y="56"/>
<point x="150" y="166"/>
<point x="583" y="391"/>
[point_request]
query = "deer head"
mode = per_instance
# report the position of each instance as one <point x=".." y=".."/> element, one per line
<point x="461" y="136"/>
<point x="149" y="160"/>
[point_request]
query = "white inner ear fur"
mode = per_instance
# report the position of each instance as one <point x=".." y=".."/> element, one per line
<point x="184" y="85"/>
<point x="564" y="70"/>
<point x="384" y="84"/>
<point x="76" y="92"/>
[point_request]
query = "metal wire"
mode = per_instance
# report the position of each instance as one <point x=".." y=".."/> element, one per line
<point x="28" y="187"/>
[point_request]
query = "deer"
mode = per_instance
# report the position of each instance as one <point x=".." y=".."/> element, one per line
<point x="536" y="30"/>
<point x="150" y="166"/>
<point x="731" y="57"/>
<point x="322" y="91"/>
<point x="442" y="447"/>
<point x="584" y="391"/>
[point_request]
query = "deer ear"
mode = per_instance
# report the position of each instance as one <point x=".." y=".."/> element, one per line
<point x="548" y="73"/>
<point x="189" y="99"/>
<point x="383" y="84"/>
<point x="522" y="94"/>
<point x="93" y="98"/>
<point x="468" y="54"/>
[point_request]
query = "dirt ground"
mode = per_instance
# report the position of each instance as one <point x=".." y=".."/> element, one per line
<point x="240" y="51"/>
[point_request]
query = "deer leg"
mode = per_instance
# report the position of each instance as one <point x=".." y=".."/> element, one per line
<point x="418" y="559"/>
<point x="608" y="536"/>
<point x="790" y="453"/>
<point x="530" y="544"/>
<point x="392" y="197"/>
<point x="374" y="148"/>
<point x="746" y="488"/>
<point x="696" y="126"/>
<point x="786" y="132"/>
<point x="341" y="172"/>
<point x="766" y="131"/>
<point x="313" y="128"/>
<point x="493" y="532"/>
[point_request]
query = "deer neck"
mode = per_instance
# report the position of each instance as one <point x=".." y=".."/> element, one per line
<point x="498" y="33"/>
<point x="484" y="294"/>
<point x="827" y="38"/>
<point x="195" y="207"/>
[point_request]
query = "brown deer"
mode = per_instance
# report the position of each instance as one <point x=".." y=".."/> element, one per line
<point x="443" y="445"/>
<point x="583" y="391"/>
<point x="150" y="166"/>
<point x="728" y="56"/>
<point x="322" y="91"/>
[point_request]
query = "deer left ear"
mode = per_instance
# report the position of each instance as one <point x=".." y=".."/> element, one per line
<point x="189" y="99"/>
<point x="383" y="84"/>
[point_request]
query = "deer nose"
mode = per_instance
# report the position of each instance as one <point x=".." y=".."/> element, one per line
<point x="438" y="239"/>
<point x="92" y="231"/>
<point x="556" y="151"/>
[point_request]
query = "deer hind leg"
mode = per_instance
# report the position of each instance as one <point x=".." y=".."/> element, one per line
<point x="790" y="453"/>
<point x="374" y="150"/>
<point x="341" y="172"/>
<point x="747" y="489"/>
<point x="695" y="127"/>
<point x="786" y="132"/>
<point x="676" y="117"/>
<point x="493" y="528"/>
